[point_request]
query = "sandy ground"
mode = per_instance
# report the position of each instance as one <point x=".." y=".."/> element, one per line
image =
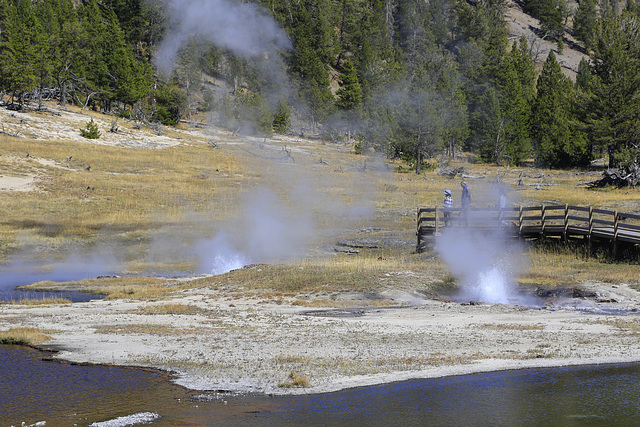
<point x="35" y="125"/>
<point x="246" y="345"/>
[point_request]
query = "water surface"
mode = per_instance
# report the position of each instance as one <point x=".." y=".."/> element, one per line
<point x="34" y="390"/>
<point x="10" y="280"/>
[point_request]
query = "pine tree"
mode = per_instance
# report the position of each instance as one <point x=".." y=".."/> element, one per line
<point x="525" y="68"/>
<point x="557" y="143"/>
<point x="456" y="121"/>
<point x="282" y="117"/>
<point x="21" y="44"/>
<point x="93" y="71"/>
<point x="314" y="40"/>
<point x="584" y="78"/>
<point x="46" y="13"/>
<point x="487" y="124"/>
<point x="110" y="71"/>
<point x="585" y="22"/>
<point x="187" y="71"/>
<point x="69" y="42"/>
<point x="549" y="14"/>
<point x="350" y="92"/>
<point x="480" y="51"/>
<point x="315" y="81"/>
<point x="516" y="81"/>
<point x="613" y="113"/>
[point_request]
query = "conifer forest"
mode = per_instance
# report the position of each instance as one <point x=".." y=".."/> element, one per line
<point x="415" y="79"/>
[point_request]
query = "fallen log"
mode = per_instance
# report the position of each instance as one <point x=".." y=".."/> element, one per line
<point x="629" y="177"/>
<point x="451" y="172"/>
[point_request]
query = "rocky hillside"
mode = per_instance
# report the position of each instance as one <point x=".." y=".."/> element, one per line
<point x="519" y="23"/>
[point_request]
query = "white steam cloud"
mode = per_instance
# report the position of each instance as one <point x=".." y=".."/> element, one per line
<point x="486" y="265"/>
<point x="266" y="232"/>
<point x="282" y="222"/>
<point x="240" y="27"/>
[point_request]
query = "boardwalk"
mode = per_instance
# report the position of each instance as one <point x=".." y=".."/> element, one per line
<point x="558" y="221"/>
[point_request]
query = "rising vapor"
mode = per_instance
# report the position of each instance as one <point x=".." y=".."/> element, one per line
<point x="242" y="28"/>
<point x="265" y="232"/>
<point x="485" y="264"/>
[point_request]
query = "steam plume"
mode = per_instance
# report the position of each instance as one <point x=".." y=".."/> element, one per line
<point x="486" y="264"/>
<point x="242" y="28"/>
<point x="274" y="228"/>
<point x="266" y="232"/>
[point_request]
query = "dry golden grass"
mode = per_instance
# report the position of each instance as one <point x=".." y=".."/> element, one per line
<point x="565" y="268"/>
<point x="365" y="273"/>
<point x="171" y="309"/>
<point x="128" y="193"/>
<point x="40" y="301"/>
<point x="24" y="336"/>
<point x="295" y="380"/>
<point x="131" y="196"/>
<point x="141" y="288"/>
<point x="509" y="327"/>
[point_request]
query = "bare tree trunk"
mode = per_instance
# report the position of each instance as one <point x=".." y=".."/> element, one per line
<point x="389" y="6"/>
<point x="40" y="99"/>
<point x="419" y="155"/>
<point x="88" y="100"/>
<point x="63" y="94"/>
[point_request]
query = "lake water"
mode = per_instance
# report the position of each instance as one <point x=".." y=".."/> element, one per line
<point x="33" y="390"/>
<point x="18" y="295"/>
<point x="10" y="280"/>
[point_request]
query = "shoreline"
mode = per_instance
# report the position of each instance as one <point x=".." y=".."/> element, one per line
<point x="356" y="382"/>
<point x="244" y="346"/>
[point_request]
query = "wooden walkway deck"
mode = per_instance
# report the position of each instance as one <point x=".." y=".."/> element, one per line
<point x="559" y="221"/>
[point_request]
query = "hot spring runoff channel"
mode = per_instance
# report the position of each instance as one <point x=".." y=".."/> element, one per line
<point x="34" y="390"/>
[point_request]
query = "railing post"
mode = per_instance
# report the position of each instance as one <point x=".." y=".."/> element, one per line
<point x="543" y="214"/>
<point x="566" y="223"/>
<point x="616" y="219"/>
<point x="437" y="221"/>
<point x="418" y="230"/>
<point x="520" y="214"/>
<point x="590" y="229"/>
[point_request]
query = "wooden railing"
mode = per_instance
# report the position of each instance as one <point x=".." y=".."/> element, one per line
<point x="563" y="221"/>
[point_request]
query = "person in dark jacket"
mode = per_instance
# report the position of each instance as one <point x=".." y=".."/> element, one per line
<point x="465" y="201"/>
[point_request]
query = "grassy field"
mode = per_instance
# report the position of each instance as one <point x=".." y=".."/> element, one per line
<point x="151" y="206"/>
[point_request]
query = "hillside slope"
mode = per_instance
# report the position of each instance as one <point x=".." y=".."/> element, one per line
<point x="519" y="24"/>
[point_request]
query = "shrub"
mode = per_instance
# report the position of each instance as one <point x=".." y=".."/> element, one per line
<point x="170" y="102"/>
<point x="295" y="380"/>
<point x="90" y="131"/>
<point x="282" y="118"/>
